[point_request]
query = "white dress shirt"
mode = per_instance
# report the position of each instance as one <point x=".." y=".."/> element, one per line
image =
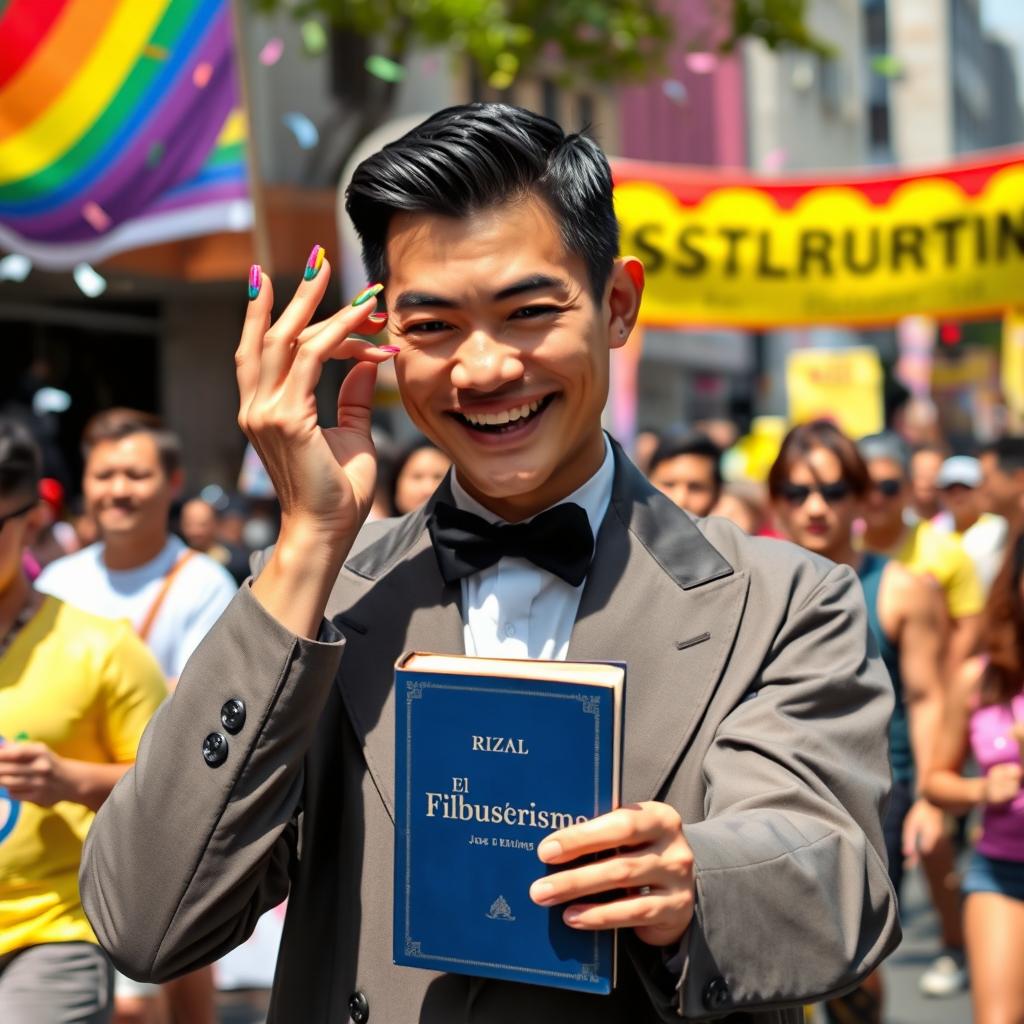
<point x="515" y="609"/>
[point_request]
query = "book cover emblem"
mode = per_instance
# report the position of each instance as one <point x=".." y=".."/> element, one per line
<point x="500" y="910"/>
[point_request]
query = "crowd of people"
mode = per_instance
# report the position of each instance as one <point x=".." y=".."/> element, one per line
<point x="936" y="539"/>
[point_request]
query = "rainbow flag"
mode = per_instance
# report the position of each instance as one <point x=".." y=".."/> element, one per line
<point x="120" y="126"/>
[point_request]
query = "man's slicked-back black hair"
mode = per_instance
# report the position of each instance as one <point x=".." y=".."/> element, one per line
<point x="468" y="158"/>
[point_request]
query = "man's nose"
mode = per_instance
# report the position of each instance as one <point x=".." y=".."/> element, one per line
<point x="483" y="363"/>
<point x="119" y="485"/>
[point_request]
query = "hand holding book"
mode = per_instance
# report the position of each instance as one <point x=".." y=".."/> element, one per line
<point x="652" y="860"/>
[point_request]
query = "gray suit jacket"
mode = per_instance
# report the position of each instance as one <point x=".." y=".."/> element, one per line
<point x="754" y="706"/>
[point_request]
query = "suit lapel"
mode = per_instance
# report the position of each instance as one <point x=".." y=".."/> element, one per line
<point x="660" y="598"/>
<point x="406" y="607"/>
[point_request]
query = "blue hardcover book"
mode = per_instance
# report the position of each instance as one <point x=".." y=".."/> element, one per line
<point x="493" y="755"/>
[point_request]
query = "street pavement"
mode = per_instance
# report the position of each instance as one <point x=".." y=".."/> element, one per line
<point x="904" y="1003"/>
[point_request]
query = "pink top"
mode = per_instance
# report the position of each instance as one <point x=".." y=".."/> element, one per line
<point x="993" y="742"/>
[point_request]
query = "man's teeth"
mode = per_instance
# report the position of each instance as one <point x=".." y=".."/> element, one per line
<point x="498" y="419"/>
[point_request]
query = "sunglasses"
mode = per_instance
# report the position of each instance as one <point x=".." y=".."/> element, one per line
<point x="797" y="494"/>
<point x="889" y="487"/>
<point x="18" y="512"/>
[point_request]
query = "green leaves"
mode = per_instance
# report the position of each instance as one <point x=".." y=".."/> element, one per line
<point x="567" y="40"/>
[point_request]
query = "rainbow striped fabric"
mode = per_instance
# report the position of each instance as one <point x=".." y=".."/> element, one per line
<point x="119" y="126"/>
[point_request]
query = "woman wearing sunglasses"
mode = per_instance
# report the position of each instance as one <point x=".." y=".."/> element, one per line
<point x="818" y="486"/>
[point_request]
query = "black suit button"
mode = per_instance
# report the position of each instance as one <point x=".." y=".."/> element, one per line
<point x="716" y="994"/>
<point x="358" y="1008"/>
<point x="215" y="749"/>
<point x="232" y="715"/>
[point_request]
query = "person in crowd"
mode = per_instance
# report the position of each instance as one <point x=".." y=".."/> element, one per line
<point x="925" y="463"/>
<point x="76" y="691"/>
<point x="919" y="546"/>
<point x="985" y="719"/>
<point x="644" y="444"/>
<point x="199" y="527"/>
<point x="983" y="534"/>
<point x="757" y="766"/>
<point x="141" y="572"/>
<point x="743" y="503"/>
<point x="418" y="470"/>
<point x="924" y="550"/>
<point x="687" y="470"/>
<point x="818" y="485"/>
<point x="1002" y="470"/>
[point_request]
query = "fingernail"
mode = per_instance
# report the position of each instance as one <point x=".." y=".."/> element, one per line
<point x="314" y="263"/>
<point x="255" y="280"/>
<point x="549" y="849"/>
<point x="378" y="318"/>
<point x="572" y="916"/>
<point x="368" y="293"/>
<point x="540" y="891"/>
<point x="393" y="349"/>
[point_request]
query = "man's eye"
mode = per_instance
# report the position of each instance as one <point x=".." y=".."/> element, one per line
<point x="427" y="327"/>
<point x="532" y="312"/>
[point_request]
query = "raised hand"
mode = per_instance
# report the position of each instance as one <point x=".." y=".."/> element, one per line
<point x="323" y="477"/>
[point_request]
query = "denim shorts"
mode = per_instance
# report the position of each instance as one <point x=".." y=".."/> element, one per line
<point x="986" y="874"/>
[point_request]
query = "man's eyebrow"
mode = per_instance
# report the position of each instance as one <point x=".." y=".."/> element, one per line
<point x="415" y="300"/>
<point x="530" y="284"/>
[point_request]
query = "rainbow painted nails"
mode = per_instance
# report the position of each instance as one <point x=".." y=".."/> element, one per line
<point x="255" y="280"/>
<point x="367" y="293"/>
<point x="314" y="263"/>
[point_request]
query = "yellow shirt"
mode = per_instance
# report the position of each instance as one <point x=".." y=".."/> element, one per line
<point x="86" y="687"/>
<point x="942" y="556"/>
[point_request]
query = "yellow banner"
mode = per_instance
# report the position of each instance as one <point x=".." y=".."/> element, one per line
<point x="737" y="251"/>
<point x="1012" y="369"/>
<point x="843" y="385"/>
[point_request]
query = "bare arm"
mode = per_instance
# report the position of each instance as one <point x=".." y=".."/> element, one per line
<point x="33" y="772"/>
<point x="964" y="636"/>
<point x="921" y="637"/>
<point x="943" y="784"/>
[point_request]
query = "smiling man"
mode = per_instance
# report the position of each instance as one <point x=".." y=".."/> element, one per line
<point x="745" y="866"/>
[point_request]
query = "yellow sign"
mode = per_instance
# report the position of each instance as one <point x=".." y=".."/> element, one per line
<point x="1012" y="371"/>
<point x="843" y="385"/>
<point x="743" y="252"/>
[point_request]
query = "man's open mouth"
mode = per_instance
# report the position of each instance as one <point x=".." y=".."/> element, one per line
<point x="506" y="421"/>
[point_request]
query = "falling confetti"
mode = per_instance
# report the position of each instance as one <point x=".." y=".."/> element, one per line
<point x="89" y="282"/>
<point x="155" y="154"/>
<point x="701" y="63"/>
<point x="15" y="267"/>
<point x="95" y="216"/>
<point x="886" y="65"/>
<point x="156" y="52"/>
<point x="305" y="132"/>
<point x="774" y="160"/>
<point x="314" y="38"/>
<point x="674" y="90"/>
<point x="202" y="74"/>
<point x="271" y="52"/>
<point x="384" y="68"/>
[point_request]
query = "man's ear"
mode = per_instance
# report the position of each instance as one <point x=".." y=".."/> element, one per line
<point x="625" y="290"/>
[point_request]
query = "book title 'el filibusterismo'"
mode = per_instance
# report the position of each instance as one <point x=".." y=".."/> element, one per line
<point x="454" y="806"/>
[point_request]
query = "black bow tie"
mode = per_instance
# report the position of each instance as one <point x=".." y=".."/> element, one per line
<point x="559" y="540"/>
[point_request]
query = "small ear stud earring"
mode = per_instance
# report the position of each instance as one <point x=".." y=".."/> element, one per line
<point x="622" y="332"/>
